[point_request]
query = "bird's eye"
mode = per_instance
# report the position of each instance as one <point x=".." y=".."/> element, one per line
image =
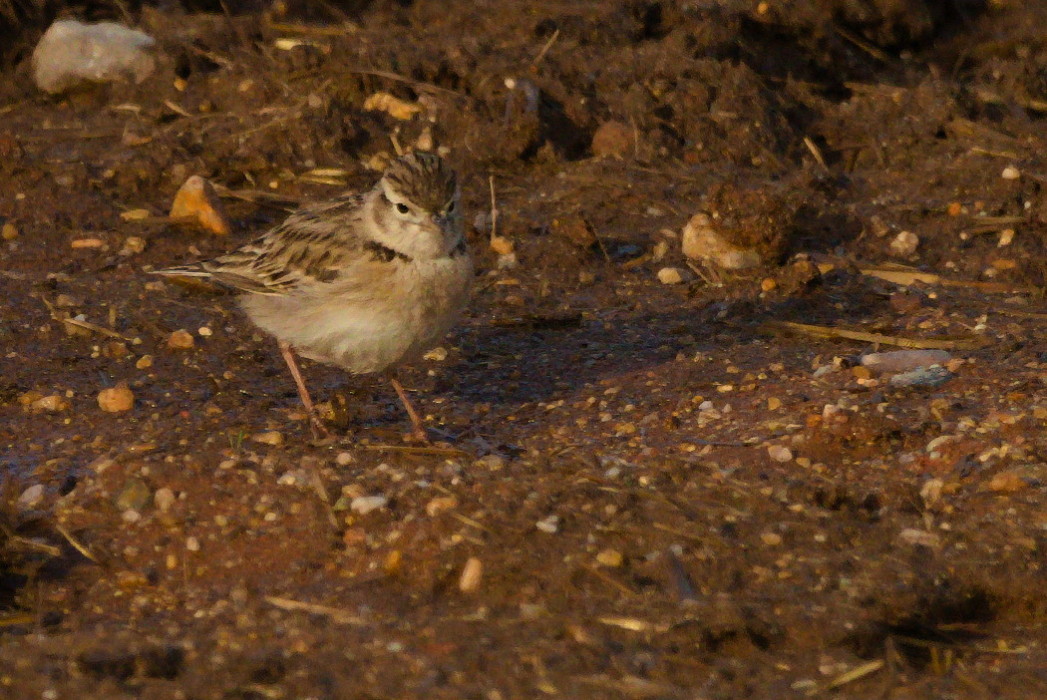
<point x="402" y="208"/>
<point x="450" y="208"/>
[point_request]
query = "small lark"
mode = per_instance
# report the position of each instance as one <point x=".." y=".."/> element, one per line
<point x="365" y="282"/>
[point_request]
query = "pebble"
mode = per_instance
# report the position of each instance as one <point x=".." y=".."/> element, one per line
<point x="472" y="572"/>
<point x="116" y="399"/>
<point x="768" y="284"/>
<point x="671" y="275"/>
<point x="1011" y="173"/>
<point x="491" y="462"/>
<point x="9" y="232"/>
<point x="192" y="544"/>
<point x="144" y="362"/>
<point x="181" y="339"/>
<point x="702" y="241"/>
<point x="437" y="354"/>
<point x="204" y="331"/>
<point x="780" y="453"/>
<point x="549" y="525"/>
<point x="344" y="459"/>
<point x="31" y="497"/>
<point x="54" y="403"/>
<point x="771" y="539"/>
<point x="935" y="375"/>
<point x="575" y="229"/>
<point x="440" y="504"/>
<point x="612" y="139"/>
<point x="905" y="244"/>
<point x="163" y="499"/>
<point x="903" y="360"/>
<point x="918" y="537"/>
<point x="134" y="496"/>
<point x="391" y="105"/>
<point x="73" y="53"/>
<point x="610" y="558"/>
<point x="1007" y="482"/>
<point x="774" y="403"/>
<point x="197" y="200"/>
<point x="132" y="246"/>
<point x="365" y="504"/>
<point x="501" y="245"/>
<point x="269" y="437"/>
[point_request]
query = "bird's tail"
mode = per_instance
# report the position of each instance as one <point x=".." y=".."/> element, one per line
<point x="191" y="270"/>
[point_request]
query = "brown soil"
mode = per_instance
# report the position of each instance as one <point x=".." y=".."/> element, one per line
<point x="612" y="446"/>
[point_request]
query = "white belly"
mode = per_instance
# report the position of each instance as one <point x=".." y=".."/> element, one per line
<point x="372" y="322"/>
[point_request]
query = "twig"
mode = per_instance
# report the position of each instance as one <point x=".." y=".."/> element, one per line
<point x="816" y="152"/>
<point x="545" y="49"/>
<point x="860" y="671"/>
<point x="924" y="343"/>
<point x="494" y="208"/>
<point x="318" y="485"/>
<point x="864" y="46"/>
<point x="337" y="615"/>
<point x="610" y="580"/>
<point x="411" y="449"/>
<point x="76" y="544"/>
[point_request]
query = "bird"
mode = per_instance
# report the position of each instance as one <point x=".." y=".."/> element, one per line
<point x="366" y="281"/>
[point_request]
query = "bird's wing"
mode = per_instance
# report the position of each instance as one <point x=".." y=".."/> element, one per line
<point x="311" y="247"/>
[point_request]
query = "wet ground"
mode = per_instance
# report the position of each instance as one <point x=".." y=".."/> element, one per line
<point x="638" y="489"/>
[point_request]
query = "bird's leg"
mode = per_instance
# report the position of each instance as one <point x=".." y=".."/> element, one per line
<point x="418" y="434"/>
<point x="319" y="430"/>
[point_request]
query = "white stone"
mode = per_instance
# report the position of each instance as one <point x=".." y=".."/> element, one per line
<point x="72" y="53"/>
<point x="905" y="244"/>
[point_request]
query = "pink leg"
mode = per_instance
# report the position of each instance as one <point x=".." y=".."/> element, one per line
<point x="418" y="434"/>
<point x="318" y="428"/>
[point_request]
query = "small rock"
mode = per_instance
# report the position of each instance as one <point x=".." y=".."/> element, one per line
<point x="671" y="275"/>
<point x="932" y="376"/>
<point x="612" y="139"/>
<point x="197" y="201"/>
<point x="575" y="229"/>
<point x="9" y="232"/>
<point x="31" y="497"/>
<point x="931" y="491"/>
<point x="116" y="399"/>
<point x="501" y="245"/>
<point x="1006" y="238"/>
<point x="702" y="241"/>
<point x="610" y="558"/>
<point x="54" y="403"/>
<point x="144" y="362"/>
<point x="768" y="284"/>
<point x="163" y="499"/>
<point x="774" y="403"/>
<point x="1007" y="482"/>
<point x="491" y="462"/>
<point x="365" y="504"/>
<point x="549" y="525"/>
<point x="134" y="496"/>
<point x="391" y="105"/>
<point x="903" y="360"/>
<point x="132" y="245"/>
<point x="269" y="437"/>
<point x="437" y="354"/>
<point x="204" y="331"/>
<point x="919" y="537"/>
<point x="905" y="244"/>
<point x="472" y="572"/>
<point x="181" y="339"/>
<point x="72" y="53"/>
<point x="780" y="453"/>
<point x="440" y="504"/>
<point x="771" y="539"/>
<point x="1011" y="173"/>
<point x="192" y="544"/>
